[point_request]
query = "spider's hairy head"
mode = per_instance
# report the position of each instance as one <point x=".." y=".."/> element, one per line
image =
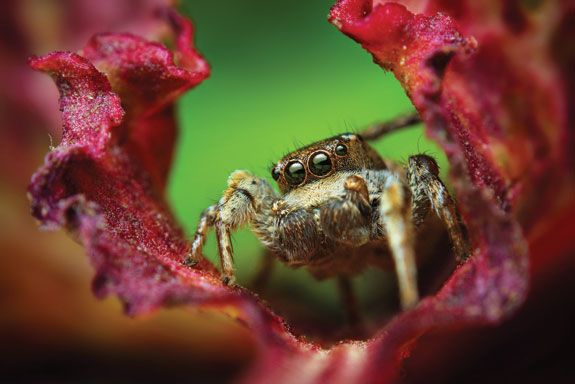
<point x="345" y="152"/>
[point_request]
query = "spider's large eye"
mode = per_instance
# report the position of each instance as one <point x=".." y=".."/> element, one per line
<point x="320" y="164"/>
<point x="276" y="173"/>
<point x="341" y="150"/>
<point x="295" y="173"/>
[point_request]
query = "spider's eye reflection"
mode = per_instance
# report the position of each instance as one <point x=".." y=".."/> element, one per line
<point x="295" y="173"/>
<point x="276" y="173"/>
<point x="341" y="150"/>
<point x="320" y="164"/>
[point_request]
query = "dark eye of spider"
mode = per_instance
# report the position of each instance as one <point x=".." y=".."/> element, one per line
<point x="295" y="173"/>
<point x="320" y="164"/>
<point x="341" y="150"/>
<point x="275" y="173"/>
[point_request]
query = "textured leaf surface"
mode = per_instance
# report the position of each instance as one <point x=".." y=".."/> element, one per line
<point x="503" y="124"/>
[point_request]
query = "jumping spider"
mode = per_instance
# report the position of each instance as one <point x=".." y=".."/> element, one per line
<point x="341" y="208"/>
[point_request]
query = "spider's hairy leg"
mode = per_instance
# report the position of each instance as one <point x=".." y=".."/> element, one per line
<point x="206" y="221"/>
<point x="347" y="219"/>
<point x="423" y="178"/>
<point x="223" y="236"/>
<point x="378" y="130"/>
<point x="244" y="198"/>
<point x="395" y="214"/>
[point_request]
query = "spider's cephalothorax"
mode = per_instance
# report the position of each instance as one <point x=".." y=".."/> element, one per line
<point x="318" y="161"/>
<point x="341" y="208"/>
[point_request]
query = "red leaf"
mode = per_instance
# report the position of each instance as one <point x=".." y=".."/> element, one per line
<point x="503" y="125"/>
<point x="104" y="185"/>
<point x="105" y="180"/>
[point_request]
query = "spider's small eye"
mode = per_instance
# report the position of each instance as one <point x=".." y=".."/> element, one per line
<point x="276" y="173"/>
<point x="295" y="173"/>
<point x="341" y="150"/>
<point x="320" y="164"/>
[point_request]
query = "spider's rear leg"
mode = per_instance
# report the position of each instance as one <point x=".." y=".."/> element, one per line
<point x="423" y="175"/>
<point x="350" y="302"/>
<point x="261" y="280"/>
<point x="395" y="217"/>
<point x="375" y="131"/>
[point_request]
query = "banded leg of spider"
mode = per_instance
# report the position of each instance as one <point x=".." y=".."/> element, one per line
<point x="207" y="220"/>
<point x="211" y="218"/>
<point x="424" y="181"/>
<point x="224" y="241"/>
<point x="375" y="131"/>
<point x="395" y="214"/>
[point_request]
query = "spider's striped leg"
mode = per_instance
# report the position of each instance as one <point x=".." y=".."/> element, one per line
<point x="207" y="220"/>
<point x="395" y="217"/>
<point x="211" y="218"/>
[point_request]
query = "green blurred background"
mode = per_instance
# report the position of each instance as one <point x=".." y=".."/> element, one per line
<point x="282" y="76"/>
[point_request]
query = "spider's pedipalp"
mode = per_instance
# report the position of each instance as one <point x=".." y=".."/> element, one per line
<point x="346" y="219"/>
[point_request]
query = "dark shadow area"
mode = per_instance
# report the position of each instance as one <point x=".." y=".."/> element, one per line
<point x="534" y="346"/>
<point x="21" y="362"/>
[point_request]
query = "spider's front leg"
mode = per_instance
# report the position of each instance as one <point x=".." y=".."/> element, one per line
<point x="245" y="197"/>
<point x="207" y="220"/>
<point x="424" y="182"/>
<point x="396" y="217"/>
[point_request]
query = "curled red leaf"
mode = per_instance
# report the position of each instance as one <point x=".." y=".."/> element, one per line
<point x="504" y="125"/>
<point x="105" y="181"/>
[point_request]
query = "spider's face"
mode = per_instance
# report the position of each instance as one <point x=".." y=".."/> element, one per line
<point x="324" y="158"/>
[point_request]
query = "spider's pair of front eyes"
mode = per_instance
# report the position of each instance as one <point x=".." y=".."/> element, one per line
<point x="319" y="164"/>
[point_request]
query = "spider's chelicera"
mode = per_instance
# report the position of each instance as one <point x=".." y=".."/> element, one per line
<point x="341" y="208"/>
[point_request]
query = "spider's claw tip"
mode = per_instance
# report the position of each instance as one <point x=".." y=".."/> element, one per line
<point x="190" y="261"/>
<point x="228" y="280"/>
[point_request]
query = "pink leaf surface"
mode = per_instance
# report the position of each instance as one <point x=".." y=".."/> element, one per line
<point x="29" y="99"/>
<point x="503" y="125"/>
<point x="99" y="182"/>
